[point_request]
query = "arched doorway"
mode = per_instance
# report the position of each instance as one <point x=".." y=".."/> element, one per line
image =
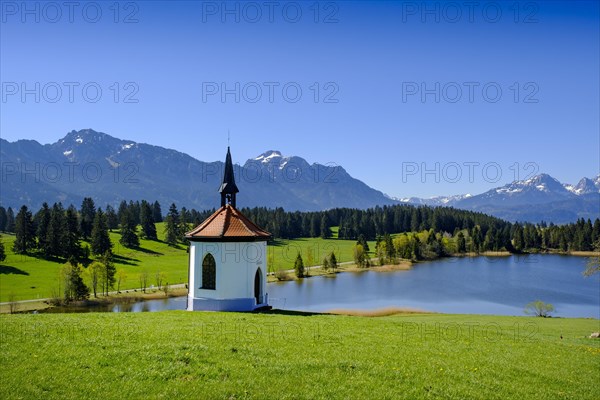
<point x="258" y="287"/>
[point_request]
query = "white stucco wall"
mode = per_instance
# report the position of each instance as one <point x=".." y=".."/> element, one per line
<point x="236" y="266"/>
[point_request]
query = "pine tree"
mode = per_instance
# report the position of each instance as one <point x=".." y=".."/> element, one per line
<point x="518" y="240"/>
<point x="56" y="232"/>
<point x="390" y="251"/>
<point x="325" y="263"/>
<point x="416" y="248"/>
<point x="109" y="271"/>
<point x="88" y="212"/>
<point x="2" y="252"/>
<point x="123" y="208"/>
<point x="128" y="228"/>
<point x="75" y="289"/>
<point x="2" y="219"/>
<point x="134" y="210"/>
<point x="157" y="212"/>
<point x="184" y="225"/>
<point x="100" y="241"/>
<point x="43" y="225"/>
<point x="71" y="245"/>
<point x="363" y="242"/>
<point x="172" y="233"/>
<point x="147" y="221"/>
<point x="461" y="244"/>
<point x="325" y="227"/>
<point x="24" y="231"/>
<point x="299" y="266"/>
<point x="10" y="220"/>
<point x="112" y="220"/>
<point x="333" y="264"/>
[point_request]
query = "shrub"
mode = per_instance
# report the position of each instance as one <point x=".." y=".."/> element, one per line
<point x="539" y="309"/>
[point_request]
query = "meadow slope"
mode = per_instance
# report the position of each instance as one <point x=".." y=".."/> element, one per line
<point x="285" y="355"/>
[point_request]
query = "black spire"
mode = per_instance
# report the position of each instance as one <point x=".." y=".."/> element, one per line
<point x="228" y="188"/>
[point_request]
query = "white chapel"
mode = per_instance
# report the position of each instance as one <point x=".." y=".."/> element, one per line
<point x="228" y="257"/>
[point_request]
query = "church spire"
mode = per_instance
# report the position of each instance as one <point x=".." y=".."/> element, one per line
<point x="228" y="188"/>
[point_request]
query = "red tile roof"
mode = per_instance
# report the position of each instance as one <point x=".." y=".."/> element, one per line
<point x="227" y="224"/>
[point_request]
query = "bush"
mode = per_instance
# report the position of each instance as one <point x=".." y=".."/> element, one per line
<point x="539" y="309"/>
<point x="281" y="275"/>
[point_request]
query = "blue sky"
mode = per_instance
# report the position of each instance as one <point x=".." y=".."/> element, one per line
<point x="389" y="76"/>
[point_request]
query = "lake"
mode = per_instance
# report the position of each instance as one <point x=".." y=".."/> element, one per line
<point x="468" y="285"/>
<point x="473" y="285"/>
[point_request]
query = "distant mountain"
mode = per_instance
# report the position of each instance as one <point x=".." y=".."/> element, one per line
<point x="539" y="198"/>
<point x="89" y="163"/>
<point x="435" y="201"/>
<point x="585" y="186"/>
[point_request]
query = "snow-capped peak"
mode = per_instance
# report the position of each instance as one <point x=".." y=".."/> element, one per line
<point x="268" y="156"/>
<point x="585" y="186"/>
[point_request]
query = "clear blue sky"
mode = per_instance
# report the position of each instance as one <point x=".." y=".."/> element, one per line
<point x="374" y="55"/>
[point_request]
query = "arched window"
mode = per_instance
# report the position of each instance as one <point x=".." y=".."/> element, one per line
<point x="209" y="272"/>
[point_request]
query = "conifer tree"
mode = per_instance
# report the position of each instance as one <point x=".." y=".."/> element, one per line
<point x="10" y="220"/>
<point x="24" y="232"/>
<point x="112" y="220"/>
<point x="100" y="241"/>
<point x="147" y="221"/>
<point x="461" y="245"/>
<point x="172" y="232"/>
<point x="2" y="219"/>
<point x="156" y="212"/>
<point x="71" y="237"/>
<point x="75" y="289"/>
<point x="299" y="266"/>
<point x="88" y="212"/>
<point x="2" y="251"/>
<point x="43" y="224"/>
<point x="109" y="271"/>
<point x="128" y="228"/>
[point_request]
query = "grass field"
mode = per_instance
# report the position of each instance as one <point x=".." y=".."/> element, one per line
<point x="30" y="278"/>
<point x="278" y="356"/>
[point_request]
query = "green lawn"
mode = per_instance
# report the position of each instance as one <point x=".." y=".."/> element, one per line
<point x="277" y="356"/>
<point x="30" y="278"/>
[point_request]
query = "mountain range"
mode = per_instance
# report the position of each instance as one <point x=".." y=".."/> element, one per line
<point x="538" y="198"/>
<point x="89" y="163"/>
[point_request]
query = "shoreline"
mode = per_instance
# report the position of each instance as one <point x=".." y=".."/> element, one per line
<point x="135" y="295"/>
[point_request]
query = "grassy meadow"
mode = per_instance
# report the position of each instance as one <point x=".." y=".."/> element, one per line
<point x="286" y="355"/>
<point x="27" y="277"/>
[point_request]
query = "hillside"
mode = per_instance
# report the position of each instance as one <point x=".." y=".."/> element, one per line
<point x="285" y="355"/>
<point x="28" y="277"/>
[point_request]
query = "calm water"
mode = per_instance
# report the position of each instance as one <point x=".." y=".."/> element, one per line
<point x="481" y="285"/>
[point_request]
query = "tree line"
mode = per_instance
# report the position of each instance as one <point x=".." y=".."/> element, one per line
<point x="56" y="233"/>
